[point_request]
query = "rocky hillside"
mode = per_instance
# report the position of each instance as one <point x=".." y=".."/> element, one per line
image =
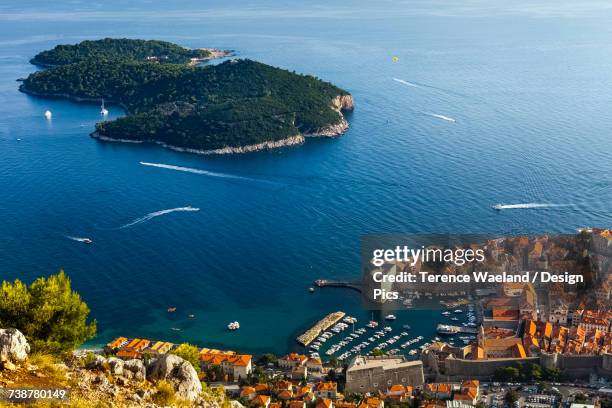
<point x="96" y="381"/>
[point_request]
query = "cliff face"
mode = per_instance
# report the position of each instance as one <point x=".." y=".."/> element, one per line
<point x="340" y="104"/>
<point x="343" y="102"/>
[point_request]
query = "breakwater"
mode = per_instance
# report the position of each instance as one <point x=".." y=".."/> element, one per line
<point x="328" y="321"/>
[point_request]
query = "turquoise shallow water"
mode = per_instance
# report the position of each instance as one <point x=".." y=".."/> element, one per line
<point x="529" y="87"/>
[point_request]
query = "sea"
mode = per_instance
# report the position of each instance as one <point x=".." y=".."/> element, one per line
<point x="459" y="106"/>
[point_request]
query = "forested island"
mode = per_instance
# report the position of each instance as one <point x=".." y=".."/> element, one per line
<point x="236" y="106"/>
<point x="110" y="48"/>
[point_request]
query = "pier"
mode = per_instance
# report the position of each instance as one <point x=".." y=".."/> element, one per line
<point x="450" y="329"/>
<point x="319" y="327"/>
<point x="329" y="283"/>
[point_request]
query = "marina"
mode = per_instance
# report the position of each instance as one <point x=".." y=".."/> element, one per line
<point x="389" y="333"/>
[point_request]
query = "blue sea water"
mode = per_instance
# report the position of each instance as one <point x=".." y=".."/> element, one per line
<point x="528" y="84"/>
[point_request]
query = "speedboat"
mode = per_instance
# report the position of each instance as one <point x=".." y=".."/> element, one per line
<point x="171" y="309"/>
<point x="498" y="207"/>
<point x="87" y="241"/>
<point x="103" y="110"/>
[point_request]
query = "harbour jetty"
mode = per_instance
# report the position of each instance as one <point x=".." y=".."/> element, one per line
<point x="449" y="329"/>
<point x="322" y="325"/>
<point x="322" y="283"/>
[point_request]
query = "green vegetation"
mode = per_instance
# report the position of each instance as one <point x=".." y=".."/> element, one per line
<point x="164" y="394"/>
<point x="233" y="104"/>
<point x="267" y="358"/>
<point x="526" y="373"/>
<point x="48" y="312"/>
<point x="120" y="48"/>
<point x="189" y="353"/>
<point x="511" y="397"/>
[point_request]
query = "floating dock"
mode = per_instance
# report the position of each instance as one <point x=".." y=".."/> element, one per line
<point x="322" y="325"/>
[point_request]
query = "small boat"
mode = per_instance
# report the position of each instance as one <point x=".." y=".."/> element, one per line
<point x="103" y="110"/>
<point x="87" y="241"/>
<point x="171" y="309"/>
<point x="175" y="329"/>
<point x="48" y="114"/>
<point x="311" y="290"/>
<point x="372" y="324"/>
<point x="191" y="316"/>
<point x="233" y="326"/>
<point x="458" y="311"/>
<point x="390" y="317"/>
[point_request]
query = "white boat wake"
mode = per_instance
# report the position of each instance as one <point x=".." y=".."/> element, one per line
<point x="199" y="171"/>
<point x="78" y="239"/>
<point x="157" y="214"/>
<point x="446" y="118"/>
<point x="401" y="81"/>
<point x="526" y="205"/>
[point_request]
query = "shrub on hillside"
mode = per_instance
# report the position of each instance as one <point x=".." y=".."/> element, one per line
<point x="48" y="312"/>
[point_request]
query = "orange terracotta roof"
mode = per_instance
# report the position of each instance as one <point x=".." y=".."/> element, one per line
<point x="117" y="342"/>
<point x="295" y="357"/>
<point x="133" y="343"/>
<point x="326" y="386"/>
<point x="246" y="391"/>
<point x="530" y="327"/>
<point x="261" y="387"/>
<point x="129" y="354"/>
<point x="344" y="404"/>
<point x="240" y="360"/>
<point x="471" y="383"/>
<point x="519" y="350"/>
<point x="397" y="388"/>
<point x="305" y="389"/>
<point x="261" y="400"/>
<point x="142" y="344"/>
<point x="285" y="394"/>
<point x="324" y="403"/>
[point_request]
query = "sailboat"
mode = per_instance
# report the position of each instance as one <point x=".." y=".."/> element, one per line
<point x="103" y="110"/>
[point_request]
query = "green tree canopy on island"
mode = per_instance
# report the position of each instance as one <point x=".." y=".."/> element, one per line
<point x="118" y="48"/>
<point x="48" y="312"/>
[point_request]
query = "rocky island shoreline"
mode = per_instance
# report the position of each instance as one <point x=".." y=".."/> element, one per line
<point x="238" y="106"/>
